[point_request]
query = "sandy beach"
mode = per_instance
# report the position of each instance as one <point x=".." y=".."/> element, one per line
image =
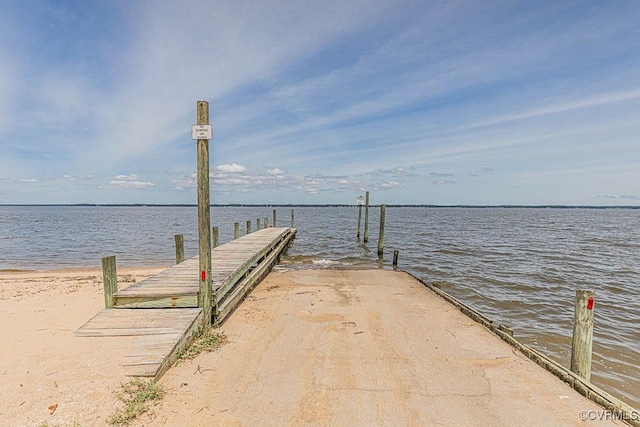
<point x="48" y="376"/>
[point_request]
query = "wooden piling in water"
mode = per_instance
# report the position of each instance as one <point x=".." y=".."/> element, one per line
<point x="395" y="258"/>
<point x="359" y="220"/>
<point x="179" y="238"/>
<point x="216" y="241"/>
<point x="249" y="227"/>
<point x="266" y="223"/>
<point x="236" y="230"/>
<point x="274" y="218"/>
<point x="204" y="216"/>
<point x="293" y="223"/>
<point x="383" y="209"/>
<point x="258" y="224"/>
<point x="366" y="217"/>
<point x="110" y="279"/>
<point x="582" y="342"/>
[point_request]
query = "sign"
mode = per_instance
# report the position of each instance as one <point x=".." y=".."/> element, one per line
<point x="360" y="200"/>
<point x="201" y="132"/>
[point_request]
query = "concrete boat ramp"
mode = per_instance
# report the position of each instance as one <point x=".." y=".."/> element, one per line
<point x="363" y="347"/>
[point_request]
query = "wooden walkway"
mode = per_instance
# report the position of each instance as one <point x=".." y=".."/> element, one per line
<point x="162" y="310"/>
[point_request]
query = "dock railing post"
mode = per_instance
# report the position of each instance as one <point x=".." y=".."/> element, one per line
<point x="359" y="220"/>
<point x="179" y="248"/>
<point x="110" y="279"/>
<point x="236" y="230"/>
<point x="582" y="342"/>
<point x="216" y="240"/>
<point x="383" y="208"/>
<point x="258" y="224"/>
<point x="274" y="218"/>
<point x="266" y="223"/>
<point x="204" y="216"/>
<point x="366" y="217"/>
<point x="293" y="223"/>
<point x="249" y="227"/>
<point x="395" y="258"/>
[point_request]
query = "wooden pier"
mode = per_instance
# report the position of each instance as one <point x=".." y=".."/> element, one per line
<point x="162" y="311"/>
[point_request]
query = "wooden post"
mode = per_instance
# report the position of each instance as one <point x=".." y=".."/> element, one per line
<point x="258" y="224"/>
<point x="236" y="230"/>
<point x="395" y="258"/>
<point x="249" y="227"/>
<point x="179" y="248"/>
<point x="582" y="334"/>
<point x="274" y="217"/>
<point x="359" y="220"/>
<point x="204" y="216"/>
<point x="110" y="279"/>
<point x="293" y="223"/>
<point x="366" y="217"/>
<point x="266" y="223"/>
<point x="383" y="208"/>
<point x="216" y="241"/>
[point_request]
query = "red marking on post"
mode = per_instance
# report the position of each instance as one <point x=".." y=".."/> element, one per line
<point x="590" y="302"/>
<point x="203" y="275"/>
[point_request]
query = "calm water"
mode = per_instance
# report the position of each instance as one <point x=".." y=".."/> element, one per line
<point x="519" y="267"/>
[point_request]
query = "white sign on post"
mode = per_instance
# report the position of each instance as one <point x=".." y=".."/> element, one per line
<point x="201" y="132"/>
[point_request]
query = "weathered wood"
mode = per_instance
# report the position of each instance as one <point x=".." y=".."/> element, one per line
<point x="383" y="209"/>
<point x="248" y="227"/>
<point x="236" y="230"/>
<point x="204" y="216"/>
<point x="395" y="258"/>
<point x="179" y="248"/>
<point x="366" y="218"/>
<point x="582" y="342"/>
<point x="359" y="220"/>
<point x="266" y="223"/>
<point x="293" y="223"/>
<point x="110" y="279"/>
<point x="258" y="224"/>
<point x="216" y="241"/>
<point x="274" y="218"/>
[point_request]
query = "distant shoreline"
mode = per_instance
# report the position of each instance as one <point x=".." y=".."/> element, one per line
<point x="244" y="205"/>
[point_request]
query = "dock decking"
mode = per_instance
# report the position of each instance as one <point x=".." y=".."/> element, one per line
<point x="162" y="310"/>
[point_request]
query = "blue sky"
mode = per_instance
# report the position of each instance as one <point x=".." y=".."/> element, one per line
<point x="425" y="102"/>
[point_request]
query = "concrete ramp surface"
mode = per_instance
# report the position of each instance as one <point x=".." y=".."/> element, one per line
<point x="362" y="347"/>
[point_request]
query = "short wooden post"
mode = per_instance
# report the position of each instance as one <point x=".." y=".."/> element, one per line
<point x="179" y="248"/>
<point x="110" y="279"/>
<point x="266" y="223"/>
<point x="258" y="224"/>
<point x="395" y="258"/>
<point x="216" y="241"/>
<point x="204" y="216"/>
<point x="582" y="334"/>
<point x="381" y="234"/>
<point x="359" y="220"/>
<point x="236" y="230"/>
<point x="293" y="223"/>
<point x="248" y="227"/>
<point x="366" y="217"/>
<point x="274" y="218"/>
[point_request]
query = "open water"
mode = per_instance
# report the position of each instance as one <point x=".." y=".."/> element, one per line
<point x="518" y="266"/>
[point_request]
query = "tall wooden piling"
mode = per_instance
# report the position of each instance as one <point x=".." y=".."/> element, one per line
<point x="582" y="342"/>
<point x="249" y="227"/>
<point x="395" y="258"/>
<point x="179" y="248"/>
<point x="110" y="279"/>
<point x="236" y="230"/>
<point x="359" y="220"/>
<point x="383" y="209"/>
<point x="204" y="216"/>
<point x="366" y="217"/>
<point x="274" y="218"/>
<point x="216" y="240"/>
<point x="293" y="223"/>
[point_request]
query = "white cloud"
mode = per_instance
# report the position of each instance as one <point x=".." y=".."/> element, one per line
<point x="442" y="182"/>
<point x="28" y="180"/>
<point x="232" y="168"/>
<point x="126" y="182"/>
<point x="275" y="172"/>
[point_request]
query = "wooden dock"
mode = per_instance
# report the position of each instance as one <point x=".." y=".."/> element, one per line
<point x="162" y="311"/>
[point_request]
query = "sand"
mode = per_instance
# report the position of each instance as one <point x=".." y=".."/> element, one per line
<point x="48" y="375"/>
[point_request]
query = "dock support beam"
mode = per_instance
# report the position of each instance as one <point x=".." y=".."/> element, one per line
<point x="359" y="220"/>
<point x="366" y="217"/>
<point x="582" y="342"/>
<point x="179" y="248"/>
<point x="293" y="223"/>
<point x="204" y="216"/>
<point x="383" y="209"/>
<point x="110" y="279"/>
<point x="274" y="217"/>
